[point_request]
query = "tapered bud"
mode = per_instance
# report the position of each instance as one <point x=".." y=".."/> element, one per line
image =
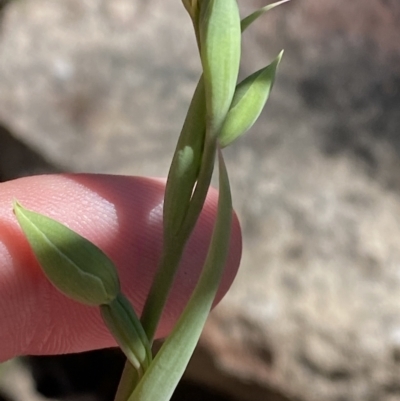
<point x="75" y="266"/>
<point x="220" y="41"/>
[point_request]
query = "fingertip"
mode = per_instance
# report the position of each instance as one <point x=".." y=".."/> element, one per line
<point x="123" y="216"/>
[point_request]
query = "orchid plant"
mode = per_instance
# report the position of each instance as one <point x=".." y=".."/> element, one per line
<point x="220" y="112"/>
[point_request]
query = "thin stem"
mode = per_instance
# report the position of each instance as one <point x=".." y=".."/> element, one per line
<point x="161" y="285"/>
<point x="173" y="248"/>
<point x="168" y="366"/>
<point x="128" y="382"/>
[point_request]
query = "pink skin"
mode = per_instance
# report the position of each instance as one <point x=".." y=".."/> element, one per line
<point x="121" y="215"/>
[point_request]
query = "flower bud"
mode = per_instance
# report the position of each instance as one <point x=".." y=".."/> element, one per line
<point x="75" y="266"/>
<point x="220" y="39"/>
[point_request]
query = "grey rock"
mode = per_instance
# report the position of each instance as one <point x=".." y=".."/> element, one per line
<point x="79" y="79"/>
<point x="315" y="312"/>
<point x="318" y="193"/>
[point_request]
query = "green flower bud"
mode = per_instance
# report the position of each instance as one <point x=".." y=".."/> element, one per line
<point x="248" y="102"/>
<point x="127" y="330"/>
<point x="220" y="39"/>
<point x="74" y="265"/>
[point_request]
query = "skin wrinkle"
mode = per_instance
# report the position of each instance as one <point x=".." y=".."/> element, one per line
<point x="125" y="229"/>
<point x="43" y="329"/>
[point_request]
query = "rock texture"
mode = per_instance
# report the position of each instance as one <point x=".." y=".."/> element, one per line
<point x="93" y="70"/>
<point x="315" y="311"/>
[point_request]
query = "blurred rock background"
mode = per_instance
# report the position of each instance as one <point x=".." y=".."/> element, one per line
<point x="103" y="86"/>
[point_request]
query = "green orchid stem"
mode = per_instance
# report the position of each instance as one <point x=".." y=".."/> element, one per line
<point x="163" y="374"/>
<point x="180" y="184"/>
<point x="189" y="182"/>
<point x="154" y="305"/>
<point x="173" y="248"/>
<point x="160" y="288"/>
<point x="128" y="382"/>
<point x="172" y="252"/>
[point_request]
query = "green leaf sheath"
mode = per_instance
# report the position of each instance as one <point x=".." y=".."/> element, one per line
<point x="248" y="102"/>
<point x="129" y="380"/>
<point x="74" y="265"/>
<point x="220" y="39"/>
<point x="181" y="181"/>
<point x="201" y="189"/>
<point x="246" y="22"/>
<point x="171" y="255"/>
<point x="185" y="165"/>
<point x="174" y="244"/>
<point x="160" y="288"/>
<point x="161" y="378"/>
<point x="126" y="328"/>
